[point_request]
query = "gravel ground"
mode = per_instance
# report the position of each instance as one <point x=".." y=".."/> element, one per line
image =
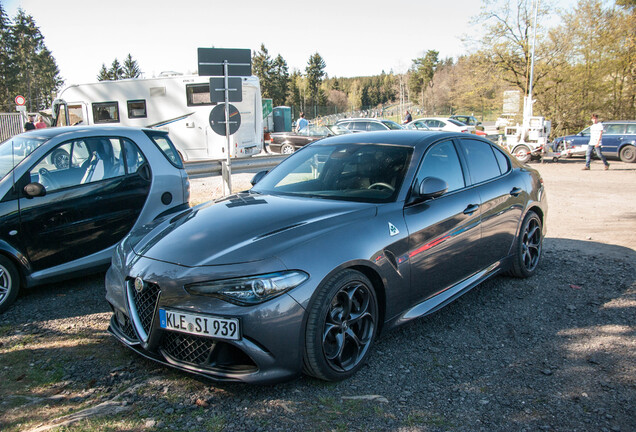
<point x="556" y="352"/>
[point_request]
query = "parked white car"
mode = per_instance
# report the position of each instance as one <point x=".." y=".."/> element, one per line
<point x="440" y="124"/>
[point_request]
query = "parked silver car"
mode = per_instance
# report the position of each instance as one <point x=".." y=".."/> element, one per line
<point x="349" y="236"/>
<point x="69" y="195"/>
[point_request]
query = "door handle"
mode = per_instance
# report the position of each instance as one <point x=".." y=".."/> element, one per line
<point x="515" y="191"/>
<point x="472" y="208"/>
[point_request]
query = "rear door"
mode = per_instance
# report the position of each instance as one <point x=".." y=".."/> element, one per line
<point x="502" y="193"/>
<point x="613" y="135"/>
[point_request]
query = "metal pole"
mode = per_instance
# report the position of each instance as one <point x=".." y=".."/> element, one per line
<point x="534" y="40"/>
<point x="227" y="171"/>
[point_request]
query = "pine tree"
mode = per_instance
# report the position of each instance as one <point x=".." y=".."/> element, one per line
<point x="131" y="68"/>
<point x="262" y="68"/>
<point x="280" y="80"/>
<point x="33" y="70"/>
<point x="5" y="96"/>
<point x="103" y="74"/>
<point x="115" y="72"/>
<point x="315" y="72"/>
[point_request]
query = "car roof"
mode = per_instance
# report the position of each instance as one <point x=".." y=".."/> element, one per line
<point x="362" y="119"/>
<point x="410" y="138"/>
<point x="618" y="121"/>
<point x="72" y="131"/>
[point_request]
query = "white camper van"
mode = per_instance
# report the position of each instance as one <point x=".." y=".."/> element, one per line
<point x="178" y="104"/>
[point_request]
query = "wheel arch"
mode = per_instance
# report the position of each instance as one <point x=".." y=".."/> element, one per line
<point x="18" y="260"/>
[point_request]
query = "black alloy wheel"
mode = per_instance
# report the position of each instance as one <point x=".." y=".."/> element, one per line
<point x="342" y="325"/>
<point x="529" y="247"/>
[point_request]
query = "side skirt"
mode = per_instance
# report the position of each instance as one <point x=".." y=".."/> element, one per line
<point x="441" y="299"/>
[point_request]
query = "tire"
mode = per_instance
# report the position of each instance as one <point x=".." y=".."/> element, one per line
<point x="61" y="159"/>
<point x="287" y="148"/>
<point x="628" y="154"/>
<point x="528" y="247"/>
<point x="9" y="283"/>
<point x="522" y="153"/>
<point x="341" y="327"/>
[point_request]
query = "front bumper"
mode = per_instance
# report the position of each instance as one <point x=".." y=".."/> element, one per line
<point x="269" y="350"/>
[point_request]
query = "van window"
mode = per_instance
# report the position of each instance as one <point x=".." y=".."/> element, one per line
<point x="198" y="94"/>
<point x="106" y="112"/>
<point x="137" y="109"/>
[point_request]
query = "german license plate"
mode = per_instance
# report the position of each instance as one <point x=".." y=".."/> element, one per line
<point x="201" y="325"/>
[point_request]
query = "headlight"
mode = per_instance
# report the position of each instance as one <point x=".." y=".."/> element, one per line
<point x="252" y="289"/>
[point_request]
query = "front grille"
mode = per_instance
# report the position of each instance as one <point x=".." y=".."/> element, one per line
<point x="187" y="348"/>
<point x="128" y="329"/>
<point x="142" y="307"/>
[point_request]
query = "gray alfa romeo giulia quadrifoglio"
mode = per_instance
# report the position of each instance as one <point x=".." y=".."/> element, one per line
<point x="348" y="237"/>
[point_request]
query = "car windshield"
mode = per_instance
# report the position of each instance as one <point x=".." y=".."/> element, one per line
<point x="392" y="125"/>
<point x="456" y="122"/>
<point x="14" y="150"/>
<point x="352" y="172"/>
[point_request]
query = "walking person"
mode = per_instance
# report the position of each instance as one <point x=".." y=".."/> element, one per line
<point x="302" y="122"/>
<point x="595" y="144"/>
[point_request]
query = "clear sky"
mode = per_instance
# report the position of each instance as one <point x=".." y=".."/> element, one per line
<point x="355" y="38"/>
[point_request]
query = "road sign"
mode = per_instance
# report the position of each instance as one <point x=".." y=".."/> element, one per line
<point x="20" y="100"/>
<point x="211" y="61"/>
<point x="217" y="119"/>
<point x="234" y="87"/>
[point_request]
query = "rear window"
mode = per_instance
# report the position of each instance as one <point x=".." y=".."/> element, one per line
<point x="168" y="149"/>
<point x="456" y="123"/>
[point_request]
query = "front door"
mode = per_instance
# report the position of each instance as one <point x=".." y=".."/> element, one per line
<point x="445" y="232"/>
<point x="90" y="203"/>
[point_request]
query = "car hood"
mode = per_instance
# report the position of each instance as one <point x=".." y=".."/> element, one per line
<point x="246" y="228"/>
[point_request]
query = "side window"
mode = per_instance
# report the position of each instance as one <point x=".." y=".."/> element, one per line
<point x="134" y="158"/>
<point x="359" y="126"/>
<point x="166" y="147"/>
<point x="137" y="109"/>
<point x="198" y="94"/>
<point x="441" y="161"/>
<point x="376" y="127"/>
<point x="106" y="112"/>
<point x="631" y="128"/>
<point x="502" y="160"/>
<point x="79" y="162"/>
<point x="482" y="162"/>
<point x="104" y="160"/>
<point x="614" y="129"/>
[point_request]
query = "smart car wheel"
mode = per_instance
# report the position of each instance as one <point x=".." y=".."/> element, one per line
<point x="528" y="247"/>
<point x="9" y="283"/>
<point x="61" y="159"/>
<point x="287" y="149"/>
<point x="342" y="324"/>
<point x="628" y="154"/>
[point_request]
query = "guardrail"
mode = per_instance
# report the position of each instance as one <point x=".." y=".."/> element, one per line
<point x="213" y="167"/>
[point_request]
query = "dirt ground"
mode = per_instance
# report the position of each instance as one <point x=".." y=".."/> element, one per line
<point x="555" y="352"/>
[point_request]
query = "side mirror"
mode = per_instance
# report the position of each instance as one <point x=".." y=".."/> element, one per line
<point x="258" y="177"/>
<point x="432" y="187"/>
<point x="33" y="190"/>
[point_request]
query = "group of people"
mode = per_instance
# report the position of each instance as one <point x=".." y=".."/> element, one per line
<point x="31" y="125"/>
